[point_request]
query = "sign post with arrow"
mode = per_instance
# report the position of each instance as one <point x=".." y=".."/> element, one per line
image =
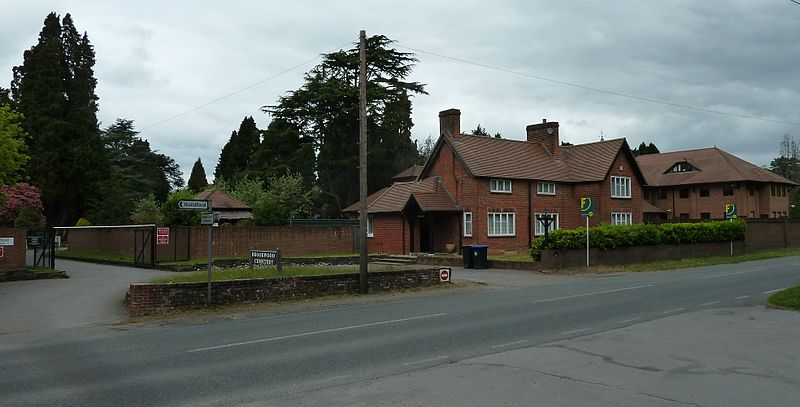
<point x="208" y="219"/>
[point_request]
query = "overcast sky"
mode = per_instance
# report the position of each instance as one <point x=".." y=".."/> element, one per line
<point x="159" y="59"/>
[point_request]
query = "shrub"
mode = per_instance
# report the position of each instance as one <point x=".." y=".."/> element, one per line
<point x="613" y="236"/>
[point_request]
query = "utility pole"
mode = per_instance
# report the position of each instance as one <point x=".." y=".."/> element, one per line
<point x="362" y="160"/>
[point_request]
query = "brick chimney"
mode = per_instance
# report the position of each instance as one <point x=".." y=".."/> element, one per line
<point x="545" y="134"/>
<point x="450" y="123"/>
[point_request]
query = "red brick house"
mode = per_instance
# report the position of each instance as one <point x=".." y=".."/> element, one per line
<point x="697" y="184"/>
<point x="479" y="189"/>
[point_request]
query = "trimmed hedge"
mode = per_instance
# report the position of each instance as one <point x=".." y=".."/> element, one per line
<point x="613" y="236"/>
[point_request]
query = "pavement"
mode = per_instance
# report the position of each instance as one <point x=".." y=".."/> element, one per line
<point x="746" y="356"/>
<point x="93" y="294"/>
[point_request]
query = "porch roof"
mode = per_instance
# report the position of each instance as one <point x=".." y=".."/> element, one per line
<point x="430" y="194"/>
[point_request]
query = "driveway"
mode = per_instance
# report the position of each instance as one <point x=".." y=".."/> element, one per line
<point x="94" y="294"/>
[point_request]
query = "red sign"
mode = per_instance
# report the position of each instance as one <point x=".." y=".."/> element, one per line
<point x="444" y="275"/>
<point x="2" y="250"/>
<point x="162" y="236"/>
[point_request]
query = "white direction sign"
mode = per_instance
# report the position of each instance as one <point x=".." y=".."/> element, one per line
<point x="6" y="241"/>
<point x="194" y="205"/>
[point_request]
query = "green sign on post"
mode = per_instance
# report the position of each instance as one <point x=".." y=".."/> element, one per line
<point x="730" y="211"/>
<point x="587" y="207"/>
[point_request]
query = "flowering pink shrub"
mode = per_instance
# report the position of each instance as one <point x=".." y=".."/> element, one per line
<point x="17" y="197"/>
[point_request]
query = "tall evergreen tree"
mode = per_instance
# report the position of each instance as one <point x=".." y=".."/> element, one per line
<point x="325" y="109"/>
<point x="238" y="152"/>
<point x="197" y="180"/>
<point x="284" y="150"/>
<point x="54" y="90"/>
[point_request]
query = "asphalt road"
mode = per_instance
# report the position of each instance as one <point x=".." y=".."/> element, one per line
<point x="279" y="355"/>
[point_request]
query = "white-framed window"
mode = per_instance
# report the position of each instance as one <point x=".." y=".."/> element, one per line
<point x="620" y="187"/>
<point x="546" y="188"/>
<point x="369" y="226"/>
<point x="502" y="224"/>
<point x="621" y="218"/>
<point x="538" y="229"/>
<point x="500" y="185"/>
<point x="467" y="224"/>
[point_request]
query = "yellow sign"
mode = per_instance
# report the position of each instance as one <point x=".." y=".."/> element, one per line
<point x="730" y="211"/>
<point x="587" y="207"/>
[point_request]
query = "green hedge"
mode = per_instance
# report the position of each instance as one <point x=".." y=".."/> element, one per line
<point x="613" y="236"/>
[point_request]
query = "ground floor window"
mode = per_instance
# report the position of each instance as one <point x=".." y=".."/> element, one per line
<point x="621" y="218"/>
<point x="369" y="226"/>
<point x="502" y="224"/>
<point x="539" y="228"/>
<point x="467" y="224"/>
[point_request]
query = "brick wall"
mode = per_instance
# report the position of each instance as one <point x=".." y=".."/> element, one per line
<point x="151" y="298"/>
<point x="228" y="241"/>
<point x="772" y="233"/>
<point x="13" y="256"/>
<point x="760" y="204"/>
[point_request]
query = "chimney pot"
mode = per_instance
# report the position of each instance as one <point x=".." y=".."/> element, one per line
<point x="546" y="134"/>
<point x="544" y="121"/>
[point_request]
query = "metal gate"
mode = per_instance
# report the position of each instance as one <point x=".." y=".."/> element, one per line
<point x="144" y="247"/>
<point x="42" y="241"/>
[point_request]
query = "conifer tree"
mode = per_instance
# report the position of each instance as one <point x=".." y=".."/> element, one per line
<point x="54" y="90"/>
<point x="197" y="180"/>
<point x="237" y="153"/>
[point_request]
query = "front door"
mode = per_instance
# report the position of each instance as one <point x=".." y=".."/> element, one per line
<point x="424" y="236"/>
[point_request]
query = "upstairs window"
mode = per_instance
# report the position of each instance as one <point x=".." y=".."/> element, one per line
<point x="662" y="193"/>
<point x="705" y="192"/>
<point x="620" y="187"/>
<point x="682" y="166"/>
<point x="683" y="192"/>
<point x="546" y="188"/>
<point x="500" y="185"/>
<point x="727" y="189"/>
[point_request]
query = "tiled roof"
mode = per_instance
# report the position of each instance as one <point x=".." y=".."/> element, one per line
<point x="429" y="194"/>
<point x="647" y="207"/>
<point x="713" y="165"/>
<point x="221" y="201"/>
<point x="409" y="173"/>
<point x="516" y="159"/>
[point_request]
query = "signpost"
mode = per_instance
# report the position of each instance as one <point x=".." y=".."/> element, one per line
<point x="266" y="258"/>
<point x="587" y="210"/>
<point x="162" y="236"/>
<point x="730" y="213"/>
<point x="207" y="219"/>
<point x="194" y="205"/>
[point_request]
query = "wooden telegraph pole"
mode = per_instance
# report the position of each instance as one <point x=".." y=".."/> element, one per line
<point x="362" y="160"/>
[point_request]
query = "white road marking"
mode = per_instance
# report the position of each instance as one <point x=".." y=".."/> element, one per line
<point x="509" y="344"/>
<point x="324" y="331"/>
<point x="773" y="291"/>
<point x="574" y="331"/>
<point x="627" y="321"/>
<point x="725" y="275"/>
<point x="426" y="360"/>
<point x="674" y="310"/>
<point x="710" y="303"/>
<point x="742" y="297"/>
<point x="592" y="293"/>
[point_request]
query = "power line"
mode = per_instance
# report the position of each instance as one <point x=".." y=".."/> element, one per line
<point x="598" y="90"/>
<point x="236" y="92"/>
<point x="795" y="1"/>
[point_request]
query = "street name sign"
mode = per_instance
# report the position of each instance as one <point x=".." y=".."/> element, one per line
<point x="194" y="205"/>
<point x="6" y="241"/>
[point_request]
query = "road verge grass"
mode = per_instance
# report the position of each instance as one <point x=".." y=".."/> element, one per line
<point x="708" y="261"/>
<point x="255" y="273"/>
<point x="788" y="298"/>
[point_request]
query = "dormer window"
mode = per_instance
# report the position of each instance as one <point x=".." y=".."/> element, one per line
<point x="682" y="166"/>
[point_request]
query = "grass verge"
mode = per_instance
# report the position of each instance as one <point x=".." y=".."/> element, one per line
<point x="256" y="273"/>
<point x="708" y="261"/>
<point x="76" y="254"/>
<point x="788" y="298"/>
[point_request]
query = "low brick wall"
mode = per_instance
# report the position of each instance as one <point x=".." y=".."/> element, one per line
<point x="492" y="264"/>
<point x="146" y="298"/>
<point x="554" y="259"/>
<point x="13" y="256"/>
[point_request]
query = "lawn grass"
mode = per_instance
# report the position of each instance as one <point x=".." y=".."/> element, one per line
<point x="708" y="261"/>
<point x="242" y="273"/>
<point x="788" y="298"/>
